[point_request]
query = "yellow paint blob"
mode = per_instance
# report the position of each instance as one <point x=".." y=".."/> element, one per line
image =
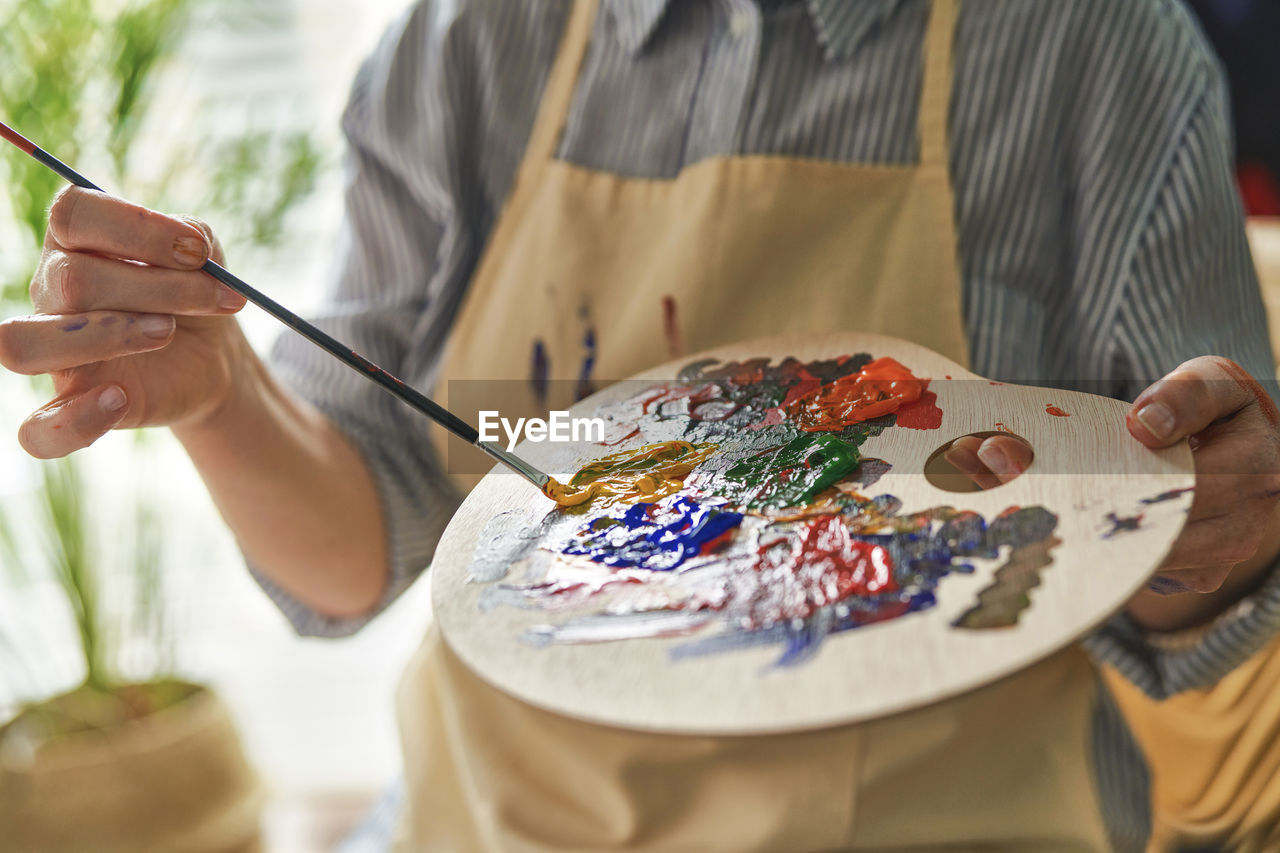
<point x="647" y="473"/>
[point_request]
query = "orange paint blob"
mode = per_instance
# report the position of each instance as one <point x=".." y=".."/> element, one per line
<point x="1056" y="412"/>
<point x="880" y="388"/>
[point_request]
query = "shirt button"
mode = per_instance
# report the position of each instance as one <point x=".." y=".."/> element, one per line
<point x="739" y="23"/>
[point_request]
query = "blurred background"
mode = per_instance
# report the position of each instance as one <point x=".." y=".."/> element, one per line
<point x="115" y="567"/>
<point x="227" y="110"/>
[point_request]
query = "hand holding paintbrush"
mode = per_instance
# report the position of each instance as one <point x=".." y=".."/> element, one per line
<point x="101" y="254"/>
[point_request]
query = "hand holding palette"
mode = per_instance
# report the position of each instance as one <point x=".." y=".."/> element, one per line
<point x="763" y="552"/>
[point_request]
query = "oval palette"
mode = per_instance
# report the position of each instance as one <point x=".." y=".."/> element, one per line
<point x="796" y="568"/>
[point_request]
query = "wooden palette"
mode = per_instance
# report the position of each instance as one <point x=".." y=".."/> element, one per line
<point x="1119" y="506"/>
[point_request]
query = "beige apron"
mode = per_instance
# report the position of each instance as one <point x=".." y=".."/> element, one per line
<point x="748" y="246"/>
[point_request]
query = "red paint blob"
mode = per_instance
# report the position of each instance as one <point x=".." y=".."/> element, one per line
<point x="1056" y="412"/>
<point x="821" y="565"/>
<point x="922" y="414"/>
<point x="882" y="387"/>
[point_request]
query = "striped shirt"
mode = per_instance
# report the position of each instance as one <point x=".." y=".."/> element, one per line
<point x="1100" y="238"/>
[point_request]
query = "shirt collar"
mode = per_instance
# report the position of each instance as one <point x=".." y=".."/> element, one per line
<point x="840" y="24"/>
<point x="635" y="21"/>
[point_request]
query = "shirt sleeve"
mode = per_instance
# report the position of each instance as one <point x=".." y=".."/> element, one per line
<point x="395" y="281"/>
<point x="436" y="124"/>
<point x="1192" y="291"/>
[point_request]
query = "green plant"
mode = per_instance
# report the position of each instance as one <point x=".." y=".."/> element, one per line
<point x="78" y="72"/>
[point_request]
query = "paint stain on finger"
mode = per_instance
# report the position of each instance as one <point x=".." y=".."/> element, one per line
<point x="1250" y="385"/>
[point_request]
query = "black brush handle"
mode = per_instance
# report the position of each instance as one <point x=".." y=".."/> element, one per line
<point x="337" y="349"/>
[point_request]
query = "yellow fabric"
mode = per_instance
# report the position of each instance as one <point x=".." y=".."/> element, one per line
<point x="1264" y="243"/>
<point x="1214" y="757"/>
<point x="749" y="246"/>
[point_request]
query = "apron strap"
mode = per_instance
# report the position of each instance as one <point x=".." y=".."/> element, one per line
<point x="562" y="80"/>
<point x="935" y="92"/>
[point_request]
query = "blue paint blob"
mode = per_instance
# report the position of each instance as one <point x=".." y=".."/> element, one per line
<point x="654" y="536"/>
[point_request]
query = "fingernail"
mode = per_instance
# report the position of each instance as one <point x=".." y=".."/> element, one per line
<point x="112" y="400"/>
<point x="189" y="251"/>
<point x="1157" y="418"/>
<point x="994" y="458"/>
<point x="229" y="299"/>
<point x="157" y="326"/>
<point x="962" y="458"/>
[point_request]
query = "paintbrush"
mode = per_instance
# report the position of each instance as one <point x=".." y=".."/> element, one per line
<point x="408" y="395"/>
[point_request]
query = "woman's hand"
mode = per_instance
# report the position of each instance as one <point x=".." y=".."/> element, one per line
<point x="1232" y="533"/>
<point x="131" y="331"/>
<point x="1234" y="431"/>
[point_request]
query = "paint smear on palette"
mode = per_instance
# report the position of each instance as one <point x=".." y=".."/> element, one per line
<point x="1051" y="409"/>
<point x="1170" y="495"/>
<point x="750" y="529"/>
<point x="791" y="474"/>
<point x="922" y="414"/>
<point x="742" y="394"/>
<point x="655" y="536"/>
<point x="646" y="473"/>
<point x="799" y="583"/>
<point x="882" y="387"/>
<point x="1122" y="524"/>
<point x="1029" y="535"/>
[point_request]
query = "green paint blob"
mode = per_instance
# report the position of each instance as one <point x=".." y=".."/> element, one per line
<point x="792" y="474"/>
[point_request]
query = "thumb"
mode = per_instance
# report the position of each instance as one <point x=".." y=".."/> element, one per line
<point x="1192" y="397"/>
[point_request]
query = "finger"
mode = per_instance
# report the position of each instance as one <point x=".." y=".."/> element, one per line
<point x="215" y="250"/>
<point x="1193" y="397"/>
<point x="1203" y="579"/>
<point x="47" y="343"/>
<point x="67" y="424"/>
<point x="83" y="220"/>
<point x="1225" y="540"/>
<point x="963" y="456"/>
<point x="1005" y="456"/>
<point x="1235" y="470"/>
<point x="76" y="282"/>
